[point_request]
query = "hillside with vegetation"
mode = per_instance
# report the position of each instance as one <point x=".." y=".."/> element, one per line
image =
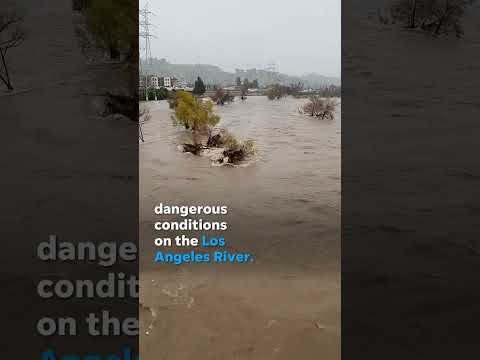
<point x="215" y="75"/>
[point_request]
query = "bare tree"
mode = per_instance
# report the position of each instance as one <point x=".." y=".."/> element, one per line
<point x="295" y="89"/>
<point x="222" y="97"/>
<point x="143" y="117"/>
<point x="447" y="16"/>
<point x="434" y="16"/>
<point x="320" y="107"/>
<point x="411" y="12"/>
<point x="11" y="35"/>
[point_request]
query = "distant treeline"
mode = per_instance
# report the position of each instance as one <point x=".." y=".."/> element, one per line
<point x="155" y="94"/>
<point x="330" y="91"/>
<point x="273" y="92"/>
<point x="278" y="91"/>
<point x="213" y="75"/>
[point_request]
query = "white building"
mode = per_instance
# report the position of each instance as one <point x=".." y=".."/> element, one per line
<point x="154" y="82"/>
<point x="167" y="81"/>
<point x="157" y="82"/>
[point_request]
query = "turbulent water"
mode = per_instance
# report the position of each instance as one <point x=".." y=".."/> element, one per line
<point x="285" y="204"/>
<point x="284" y="207"/>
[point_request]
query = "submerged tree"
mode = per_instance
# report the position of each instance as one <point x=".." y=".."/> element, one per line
<point x="195" y="114"/>
<point x="276" y="92"/>
<point x="330" y="91"/>
<point x="12" y="35"/>
<point x="113" y="25"/>
<point x="222" y="97"/>
<point x="295" y="89"/>
<point x="447" y="16"/>
<point x="144" y="116"/>
<point x="233" y="150"/>
<point x="199" y="88"/>
<point x="198" y="116"/>
<point x="320" y="107"/>
<point x="435" y="16"/>
<point x="404" y="11"/>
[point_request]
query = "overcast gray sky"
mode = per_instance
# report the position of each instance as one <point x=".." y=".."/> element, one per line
<point x="300" y="36"/>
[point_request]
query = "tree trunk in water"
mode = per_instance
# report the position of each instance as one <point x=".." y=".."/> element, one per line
<point x="196" y="136"/>
<point x="443" y="18"/>
<point x="439" y="25"/>
<point x="7" y="80"/>
<point x="413" y="14"/>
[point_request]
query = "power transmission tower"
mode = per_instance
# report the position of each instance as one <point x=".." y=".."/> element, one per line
<point x="144" y="32"/>
<point x="145" y="36"/>
<point x="271" y="67"/>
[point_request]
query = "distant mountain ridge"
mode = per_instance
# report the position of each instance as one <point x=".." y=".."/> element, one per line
<point x="212" y="74"/>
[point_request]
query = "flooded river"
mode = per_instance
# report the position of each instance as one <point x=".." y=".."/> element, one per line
<point x="288" y="197"/>
<point x="284" y="207"/>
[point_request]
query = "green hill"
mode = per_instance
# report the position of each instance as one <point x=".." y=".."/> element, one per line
<point x="213" y="75"/>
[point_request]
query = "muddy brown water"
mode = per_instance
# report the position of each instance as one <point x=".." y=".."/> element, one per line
<point x="284" y="208"/>
<point x="288" y="195"/>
